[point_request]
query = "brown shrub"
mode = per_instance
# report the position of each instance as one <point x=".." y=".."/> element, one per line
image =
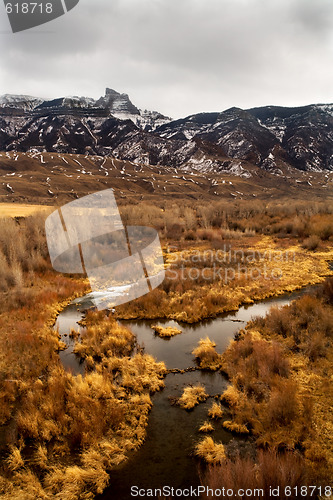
<point x="311" y="243"/>
<point x="283" y="406"/>
<point x="269" y="470"/>
<point x="308" y="322"/>
<point x="315" y="347"/>
<point x="231" y="397"/>
<point x="327" y="291"/>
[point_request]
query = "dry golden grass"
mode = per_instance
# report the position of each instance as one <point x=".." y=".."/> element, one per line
<point x="231" y="397"/>
<point x="14" y="459"/>
<point x="24" y="485"/>
<point x="234" y="427"/>
<point x="215" y="411"/>
<point x="29" y="343"/>
<point x="22" y="210"/>
<point x="275" y="230"/>
<point x="206" y="427"/>
<point x="284" y="266"/>
<point x="206" y="355"/>
<point x="192" y="396"/>
<point x="308" y="325"/>
<point x="104" y="339"/>
<point x="166" y="332"/>
<point x="97" y="419"/>
<point x="41" y="458"/>
<point x="209" y="451"/>
<point x="262" y="396"/>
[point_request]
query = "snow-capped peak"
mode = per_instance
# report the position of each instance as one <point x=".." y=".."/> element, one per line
<point x="23" y="102"/>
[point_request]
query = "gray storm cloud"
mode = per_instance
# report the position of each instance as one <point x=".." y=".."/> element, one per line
<point x="178" y="57"/>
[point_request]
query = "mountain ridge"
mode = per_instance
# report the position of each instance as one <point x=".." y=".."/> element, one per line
<point x="272" y="138"/>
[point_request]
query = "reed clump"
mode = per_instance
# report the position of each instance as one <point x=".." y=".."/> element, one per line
<point x="216" y="411"/>
<point x="210" y="451"/>
<point x="166" y="332"/>
<point x="192" y="396"/>
<point x="231" y="397"/>
<point x="104" y="339"/>
<point x="206" y="427"/>
<point x="234" y="427"/>
<point x="203" y="279"/>
<point x="206" y="355"/>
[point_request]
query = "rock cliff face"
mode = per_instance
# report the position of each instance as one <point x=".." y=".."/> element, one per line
<point x="275" y="139"/>
<point x="118" y="104"/>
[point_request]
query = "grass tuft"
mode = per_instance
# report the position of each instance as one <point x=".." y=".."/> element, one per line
<point x="209" y="451"/>
<point x="14" y="459"/>
<point x="192" y="396"/>
<point x="166" y="332"/>
<point x="206" y="427"/>
<point x="215" y="411"/>
<point x="234" y="427"/>
<point x="206" y="355"/>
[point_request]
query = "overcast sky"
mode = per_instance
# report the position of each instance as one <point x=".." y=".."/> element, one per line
<point x="178" y="56"/>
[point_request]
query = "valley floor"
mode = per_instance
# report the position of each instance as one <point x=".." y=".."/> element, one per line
<point x="61" y="433"/>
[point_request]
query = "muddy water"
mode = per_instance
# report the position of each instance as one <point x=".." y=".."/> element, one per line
<point x="165" y="457"/>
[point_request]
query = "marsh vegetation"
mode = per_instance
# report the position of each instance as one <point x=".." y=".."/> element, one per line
<point x="65" y="432"/>
<point x="279" y="368"/>
<point x="222" y="255"/>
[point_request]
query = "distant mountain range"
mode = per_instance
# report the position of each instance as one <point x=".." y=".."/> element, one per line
<point x="279" y="140"/>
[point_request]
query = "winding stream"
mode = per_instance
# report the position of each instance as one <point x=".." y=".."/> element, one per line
<point x="165" y="457"/>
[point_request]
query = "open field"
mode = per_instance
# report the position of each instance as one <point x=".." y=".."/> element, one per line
<point x="21" y="210"/>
